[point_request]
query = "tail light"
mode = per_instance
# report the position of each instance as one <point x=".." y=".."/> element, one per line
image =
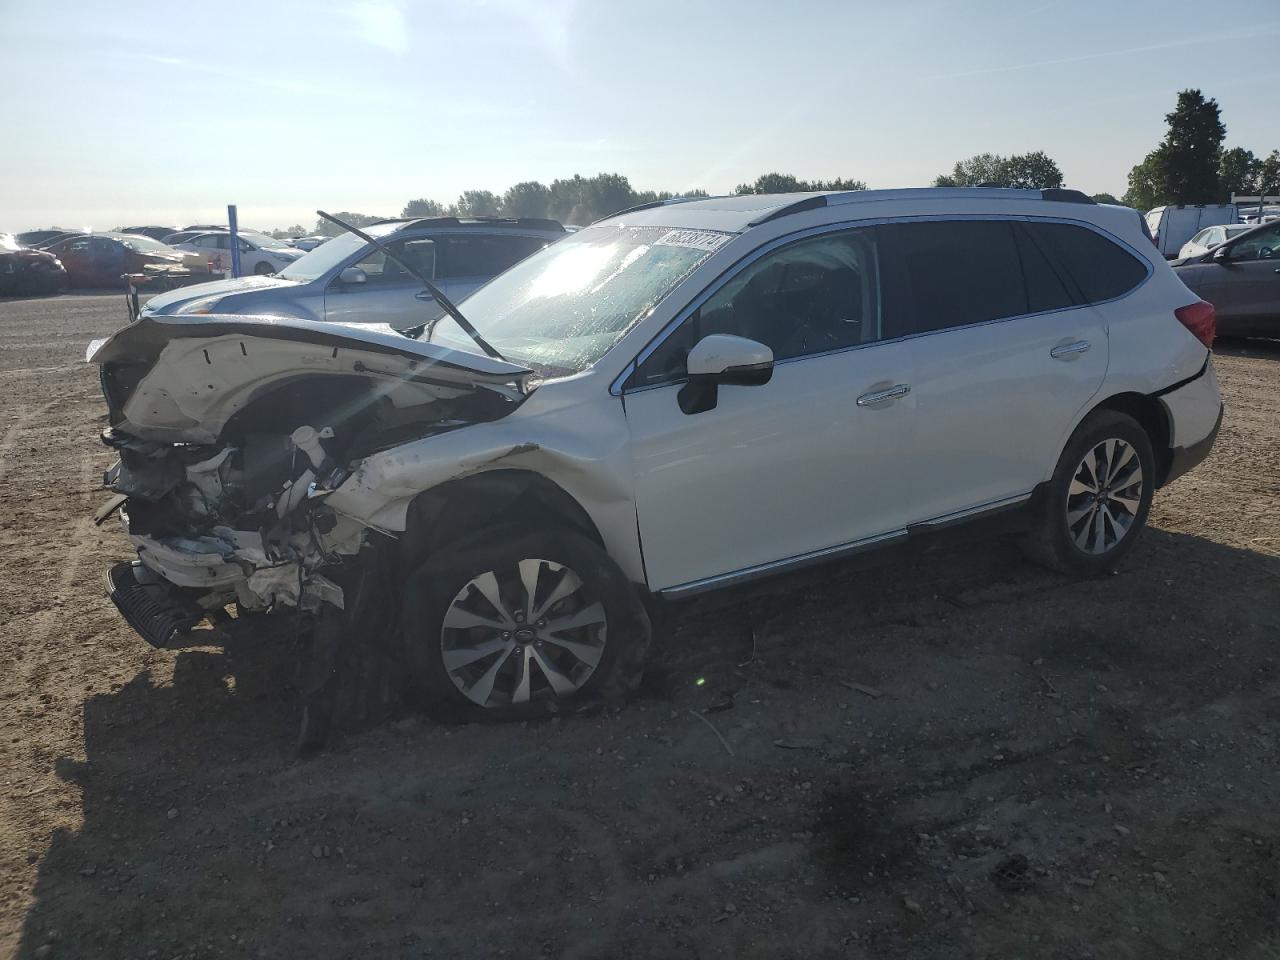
<point x="1201" y="319"/>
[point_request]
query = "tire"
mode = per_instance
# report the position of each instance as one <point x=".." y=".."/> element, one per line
<point x="1077" y="532"/>
<point x="473" y="659"/>
<point x="263" y="269"/>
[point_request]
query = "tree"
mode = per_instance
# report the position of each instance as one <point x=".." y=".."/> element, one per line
<point x="786" y="183"/>
<point x="297" y="230"/>
<point x="1269" y="175"/>
<point x="1145" y="187"/>
<point x="527" y="199"/>
<point x="1188" y="155"/>
<point x="422" y="208"/>
<point x="1024" y="171"/>
<point x="476" y="203"/>
<point x="1105" y="198"/>
<point x="326" y="229"/>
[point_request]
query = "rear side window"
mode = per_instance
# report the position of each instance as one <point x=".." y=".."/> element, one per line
<point x="956" y="272"/>
<point x="1045" y="287"/>
<point x="1099" y="268"/>
<point x="486" y="256"/>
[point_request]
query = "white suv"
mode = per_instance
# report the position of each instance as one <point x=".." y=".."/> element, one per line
<point x="684" y="396"/>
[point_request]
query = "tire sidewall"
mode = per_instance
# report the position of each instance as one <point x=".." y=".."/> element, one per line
<point x="432" y="587"/>
<point x="1097" y="428"/>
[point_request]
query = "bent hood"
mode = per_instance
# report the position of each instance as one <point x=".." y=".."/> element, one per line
<point x="179" y="379"/>
<point x="168" y="302"/>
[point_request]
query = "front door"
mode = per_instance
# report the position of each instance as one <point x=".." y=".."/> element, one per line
<point x="389" y="293"/>
<point x="1246" y="286"/>
<point x="807" y="463"/>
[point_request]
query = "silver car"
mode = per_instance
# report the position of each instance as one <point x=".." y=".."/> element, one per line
<point x="348" y="280"/>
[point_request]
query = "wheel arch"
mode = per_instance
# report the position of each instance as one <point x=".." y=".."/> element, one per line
<point x="454" y="511"/>
<point x="1153" y="418"/>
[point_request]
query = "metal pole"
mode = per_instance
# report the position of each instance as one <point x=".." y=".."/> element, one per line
<point x="235" y="239"/>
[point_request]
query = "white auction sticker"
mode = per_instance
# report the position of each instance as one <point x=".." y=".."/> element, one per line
<point x="697" y="239"/>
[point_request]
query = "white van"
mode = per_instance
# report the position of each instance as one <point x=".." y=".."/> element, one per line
<point x="1172" y="226"/>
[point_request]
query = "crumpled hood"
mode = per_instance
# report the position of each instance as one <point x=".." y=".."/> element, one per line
<point x="168" y="302"/>
<point x="179" y="379"/>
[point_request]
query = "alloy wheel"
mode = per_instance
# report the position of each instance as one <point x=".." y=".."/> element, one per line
<point x="1104" y="496"/>
<point x="525" y="632"/>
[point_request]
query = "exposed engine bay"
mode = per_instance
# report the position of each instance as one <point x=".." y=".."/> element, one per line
<point x="230" y="443"/>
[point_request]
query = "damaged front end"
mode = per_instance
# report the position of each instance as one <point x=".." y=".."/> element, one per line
<point x="231" y="434"/>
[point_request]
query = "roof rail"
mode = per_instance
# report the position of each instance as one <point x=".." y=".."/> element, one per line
<point x="649" y="205"/>
<point x="531" y="223"/>
<point x="808" y="203"/>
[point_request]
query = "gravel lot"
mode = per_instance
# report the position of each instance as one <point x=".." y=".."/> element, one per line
<point x="1031" y="767"/>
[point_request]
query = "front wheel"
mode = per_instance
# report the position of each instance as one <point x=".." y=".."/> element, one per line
<point x="522" y="624"/>
<point x="1098" y="498"/>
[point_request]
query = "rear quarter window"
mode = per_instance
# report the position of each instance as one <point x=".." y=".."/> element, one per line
<point x="1100" y="269"/>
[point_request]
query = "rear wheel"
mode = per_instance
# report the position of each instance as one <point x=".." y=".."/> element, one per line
<point x="522" y="624"/>
<point x="263" y="268"/>
<point x="1098" y="498"/>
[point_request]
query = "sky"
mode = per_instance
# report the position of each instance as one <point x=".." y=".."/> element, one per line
<point x="163" y="113"/>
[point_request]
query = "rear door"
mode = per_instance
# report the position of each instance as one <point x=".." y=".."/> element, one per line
<point x="1004" y="358"/>
<point x="470" y="259"/>
<point x="389" y="293"/>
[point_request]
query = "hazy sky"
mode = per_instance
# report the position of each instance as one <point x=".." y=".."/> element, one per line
<point x="163" y="112"/>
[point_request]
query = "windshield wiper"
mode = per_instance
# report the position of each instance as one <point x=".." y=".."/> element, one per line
<point x="449" y="306"/>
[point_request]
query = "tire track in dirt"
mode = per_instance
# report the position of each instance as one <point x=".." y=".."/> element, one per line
<point x="11" y="435"/>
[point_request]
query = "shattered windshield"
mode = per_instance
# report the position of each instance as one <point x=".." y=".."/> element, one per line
<point x="564" y="307"/>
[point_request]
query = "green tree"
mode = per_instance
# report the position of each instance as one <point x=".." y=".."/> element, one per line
<point x="1105" y="198"/>
<point x="527" y="199"/>
<point x="1024" y="171"/>
<point x="476" y="203"/>
<point x="326" y="229"/>
<point x="297" y="230"/>
<point x="1269" y="175"/>
<point x="1185" y="167"/>
<point x="422" y="208"/>
<point x="1145" y="187"/>
<point x="786" y="183"/>
<point x="606" y="194"/>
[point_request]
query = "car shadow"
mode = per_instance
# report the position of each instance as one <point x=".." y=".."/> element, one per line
<point x="189" y="783"/>
<point x="1259" y="347"/>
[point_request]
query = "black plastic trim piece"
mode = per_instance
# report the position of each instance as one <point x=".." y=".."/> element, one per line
<point x="1185" y="458"/>
<point x="1060" y="195"/>
<point x="800" y="206"/>
<point x="1182" y="383"/>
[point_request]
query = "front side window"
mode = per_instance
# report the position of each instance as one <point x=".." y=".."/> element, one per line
<point x="810" y="297"/>
<point x="1262" y="245"/>
<point x="380" y="269"/>
<point x="561" y="309"/>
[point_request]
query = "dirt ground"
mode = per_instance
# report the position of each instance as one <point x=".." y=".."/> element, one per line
<point x="1030" y="768"/>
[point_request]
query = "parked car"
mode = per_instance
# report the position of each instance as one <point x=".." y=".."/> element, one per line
<point x="1211" y="237"/>
<point x="24" y="270"/>
<point x="307" y="243"/>
<point x="1241" y="278"/>
<point x="683" y="397"/>
<point x="1172" y="226"/>
<point x="346" y="279"/>
<point x="182" y="236"/>
<point x="155" y="233"/>
<point x="259" y="254"/>
<point x="33" y="238"/>
<point x="101" y="259"/>
<point x="49" y="241"/>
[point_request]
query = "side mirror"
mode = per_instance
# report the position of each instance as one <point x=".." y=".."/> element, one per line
<point x="353" y="275"/>
<point x="1221" y="253"/>
<point x="723" y="359"/>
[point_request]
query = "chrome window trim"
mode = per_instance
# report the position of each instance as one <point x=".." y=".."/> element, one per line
<point x="616" y="387"/>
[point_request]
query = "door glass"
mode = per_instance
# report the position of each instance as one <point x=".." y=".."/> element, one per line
<point x="486" y="256"/>
<point x="958" y="272"/>
<point x="1045" y="289"/>
<point x="381" y="270"/>
<point x="1263" y="245"/>
<point x="810" y="297"/>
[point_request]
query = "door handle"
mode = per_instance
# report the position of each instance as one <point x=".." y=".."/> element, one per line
<point x="423" y="295"/>
<point x="880" y="396"/>
<point x="1069" y="351"/>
